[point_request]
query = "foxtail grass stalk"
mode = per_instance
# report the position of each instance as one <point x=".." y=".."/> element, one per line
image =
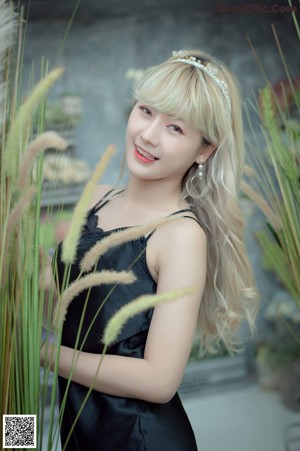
<point x="18" y="132"/>
<point x="142" y="303"/>
<point x="13" y="220"/>
<point x="44" y="141"/>
<point x="23" y="203"/>
<point x="21" y="306"/>
<point x="100" y="248"/>
<point x="79" y="215"/>
<point x="89" y="281"/>
<point x="115" y="325"/>
<point x="294" y="16"/>
<point x="8" y="29"/>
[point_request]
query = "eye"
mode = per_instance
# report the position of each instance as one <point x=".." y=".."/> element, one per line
<point x="145" y="110"/>
<point x="176" y="128"/>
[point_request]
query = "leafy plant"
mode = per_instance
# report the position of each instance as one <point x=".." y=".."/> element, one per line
<point x="277" y="356"/>
<point x="273" y="185"/>
<point x="274" y="181"/>
<point x="20" y="307"/>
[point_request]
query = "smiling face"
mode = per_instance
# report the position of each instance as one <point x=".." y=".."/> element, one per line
<point x="159" y="145"/>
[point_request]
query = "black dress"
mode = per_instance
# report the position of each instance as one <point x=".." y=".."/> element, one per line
<point x="112" y="423"/>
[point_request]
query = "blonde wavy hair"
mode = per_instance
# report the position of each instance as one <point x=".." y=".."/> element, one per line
<point x="188" y="92"/>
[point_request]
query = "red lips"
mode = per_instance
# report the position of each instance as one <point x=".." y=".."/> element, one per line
<point x="144" y="158"/>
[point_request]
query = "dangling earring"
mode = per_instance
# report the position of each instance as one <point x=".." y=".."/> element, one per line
<point x="199" y="174"/>
<point x="201" y="170"/>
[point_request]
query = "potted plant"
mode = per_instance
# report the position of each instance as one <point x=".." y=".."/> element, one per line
<point x="273" y="185"/>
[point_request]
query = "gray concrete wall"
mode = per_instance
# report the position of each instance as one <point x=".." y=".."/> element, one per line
<point x="97" y="55"/>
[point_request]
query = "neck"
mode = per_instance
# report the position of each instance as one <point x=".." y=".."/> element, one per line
<point x="153" y="194"/>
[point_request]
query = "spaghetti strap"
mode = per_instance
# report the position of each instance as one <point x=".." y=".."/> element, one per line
<point x="176" y="213"/>
<point x="102" y="202"/>
<point x="181" y="211"/>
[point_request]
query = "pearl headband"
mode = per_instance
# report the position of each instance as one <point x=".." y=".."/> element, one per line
<point x="182" y="56"/>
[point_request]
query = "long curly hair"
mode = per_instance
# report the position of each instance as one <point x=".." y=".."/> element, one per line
<point x="190" y="93"/>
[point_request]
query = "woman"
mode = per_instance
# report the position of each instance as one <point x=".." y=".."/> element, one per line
<point x="184" y="153"/>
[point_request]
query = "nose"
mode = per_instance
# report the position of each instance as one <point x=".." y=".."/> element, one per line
<point x="150" y="132"/>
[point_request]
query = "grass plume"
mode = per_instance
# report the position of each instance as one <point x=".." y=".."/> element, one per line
<point x="23" y="203"/>
<point x="44" y="141"/>
<point x="13" y="220"/>
<point x="17" y="134"/>
<point x="79" y="214"/>
<point x="142" y="303"/>
<point x="8" y="29"/>
<point x="117" y="238"/>
<point x="91" y="280"/>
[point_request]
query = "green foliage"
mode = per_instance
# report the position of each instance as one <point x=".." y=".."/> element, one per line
<point x="21" y="306"/>
<point x="283" y="183"/>
<point x="276" y="183"/>
<point x="276" y="260"/>
<point x="274" y="187"/>
<point x="278" y="355"/>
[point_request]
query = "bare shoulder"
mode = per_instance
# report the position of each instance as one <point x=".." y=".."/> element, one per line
<point x="181" y="232"/>
<point x="99" y="192"/>
<point x="179" y="243"/>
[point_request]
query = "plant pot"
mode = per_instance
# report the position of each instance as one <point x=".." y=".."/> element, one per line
<point x="290" y="386"/>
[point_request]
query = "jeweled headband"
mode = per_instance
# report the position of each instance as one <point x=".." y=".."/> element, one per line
<point x="183" y="57"/>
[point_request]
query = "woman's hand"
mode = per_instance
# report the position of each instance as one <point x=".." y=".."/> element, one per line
<point x="46" y="280"/>
<point x="47" y="285"/>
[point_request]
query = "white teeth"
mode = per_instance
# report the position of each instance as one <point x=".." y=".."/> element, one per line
<point x="145" y="154"/>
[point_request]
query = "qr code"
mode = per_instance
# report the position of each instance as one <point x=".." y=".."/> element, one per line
<point x="19" y="431"/>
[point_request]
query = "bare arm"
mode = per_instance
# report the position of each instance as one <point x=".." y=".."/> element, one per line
<point x="181" y="262"/>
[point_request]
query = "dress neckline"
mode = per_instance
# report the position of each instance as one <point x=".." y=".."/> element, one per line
<point x="97" y="227"/>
